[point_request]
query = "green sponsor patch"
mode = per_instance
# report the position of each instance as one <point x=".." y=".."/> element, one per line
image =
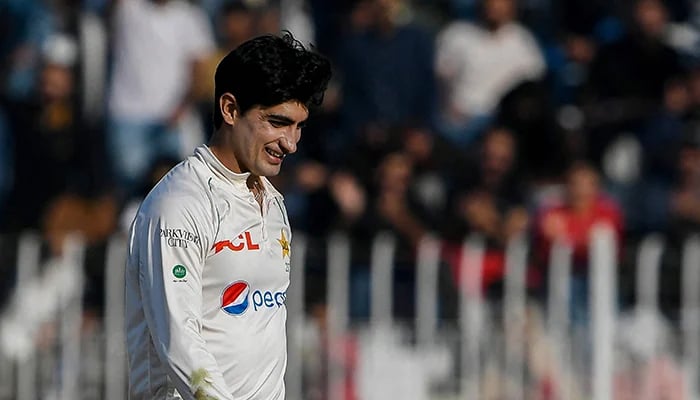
<point x="179" y="271"/>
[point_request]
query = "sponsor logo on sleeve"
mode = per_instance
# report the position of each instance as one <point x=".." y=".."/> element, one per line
<point x="179" y="272"/>
<point x="178" y="237"/>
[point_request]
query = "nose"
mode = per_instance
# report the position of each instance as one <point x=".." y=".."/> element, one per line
<point x="289" y="146"/>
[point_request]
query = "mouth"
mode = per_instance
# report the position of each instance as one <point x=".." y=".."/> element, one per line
<point x="277" y="155"/>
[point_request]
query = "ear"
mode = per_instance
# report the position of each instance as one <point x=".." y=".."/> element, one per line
<point x="229" y="108"/>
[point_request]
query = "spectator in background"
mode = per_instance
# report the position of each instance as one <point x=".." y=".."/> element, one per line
<point x="571" y="220"/>
<point x="235" y="23"/>
<point x="329" y="23"/>
<point x="436" y="166"/>
<point x="477" y="64"/>
<point x="694" y="93"/>
<point x="584" y="25"/>
<point x="386" y="67"/>
<point x="158" y="47"/>
<point x="684" y="218"/>
<point x="665" y="129"/>
<point x="490" y="202"/>
<point x="51" y="140"/>
<point x="544" y="149"/>
<point x="394" y="206"/>
<point x="24" y="26"/>
<point x="629" y="76"/>
<point x="396" y="187"/>
<point x="46" y="131"/>
<point x="391" y="206"/>
<point x="661" y="137"/>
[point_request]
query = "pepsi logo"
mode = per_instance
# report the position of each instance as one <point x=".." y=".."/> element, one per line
<point x="234" y="299"/>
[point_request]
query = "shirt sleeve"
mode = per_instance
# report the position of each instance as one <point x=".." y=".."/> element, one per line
<point x="450" y="47"/>
<point x="199" y="38"/>
<point x="173" y="238"/>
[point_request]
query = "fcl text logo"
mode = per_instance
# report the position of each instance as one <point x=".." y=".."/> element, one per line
<point x="243" y="242"/>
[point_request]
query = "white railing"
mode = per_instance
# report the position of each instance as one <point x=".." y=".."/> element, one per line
<point x="40" y="331"/>
<point x="500" y="349"/>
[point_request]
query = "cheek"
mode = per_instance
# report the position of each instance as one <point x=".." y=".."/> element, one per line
<point x="256" y="136"/>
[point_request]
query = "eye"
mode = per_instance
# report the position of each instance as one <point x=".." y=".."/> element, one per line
<point x="277" y="124"/>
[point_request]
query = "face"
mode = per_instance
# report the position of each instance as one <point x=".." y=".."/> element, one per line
<point x="651" y="17"/>
<point x="56" y="82"/>
<point x="498" y="152"/>
<point x="583" y="185"/>
<point x="262" y="137"/>
<point x="499" y="12"/>
<point x="236" y="27"/>
<point x="395" y="173"/>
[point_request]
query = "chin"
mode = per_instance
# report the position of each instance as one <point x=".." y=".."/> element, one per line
<point x="269" y="171"/>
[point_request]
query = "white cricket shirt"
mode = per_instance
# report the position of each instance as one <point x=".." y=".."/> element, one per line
<point x="206" y="282"/>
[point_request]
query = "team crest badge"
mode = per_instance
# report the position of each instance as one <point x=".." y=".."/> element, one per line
<point x="284" y="243"/>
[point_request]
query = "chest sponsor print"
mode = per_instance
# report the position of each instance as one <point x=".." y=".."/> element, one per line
<point x="234" y="299"/>
<point x="238" y="297"/>
<point x="244" y="242"/>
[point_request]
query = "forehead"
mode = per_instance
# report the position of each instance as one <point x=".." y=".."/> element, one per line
<point x="292" y="109"/>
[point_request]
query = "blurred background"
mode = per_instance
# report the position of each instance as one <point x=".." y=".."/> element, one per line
<point x="497" y="199"/>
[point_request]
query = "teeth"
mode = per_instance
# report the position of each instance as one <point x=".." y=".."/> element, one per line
<point x="275" y="154"/>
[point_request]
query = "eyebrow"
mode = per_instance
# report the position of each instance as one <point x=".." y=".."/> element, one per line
<point x="284" y="119"/>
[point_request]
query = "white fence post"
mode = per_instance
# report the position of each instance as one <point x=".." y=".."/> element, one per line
<point x="381" y="281"/>
<point x="690" y="316"/>
<point x="514" y="315"/>
<point x="295" y="325"/>
<point x="603" y="293"/>
<point x="471" y="312"/>
<point x="427" y="266"/>
<point x="648" y="263"/>
<point x="71" y="321"/>
<point x="338" y="314"/>
<point x="28" y="259"/>
<point x="114" y="325"/>
<point x="648" y="266"/>
<point x="558" y="316"/>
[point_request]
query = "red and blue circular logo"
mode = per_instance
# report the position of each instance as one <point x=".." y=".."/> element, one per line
<point x="234" y="299"/>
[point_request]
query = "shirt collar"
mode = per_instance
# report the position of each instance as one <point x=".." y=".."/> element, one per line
<point x="238" y="180"/>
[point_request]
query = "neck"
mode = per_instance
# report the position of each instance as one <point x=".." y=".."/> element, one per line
<point x="222" y="148"/>
<point x="256" y="188"/>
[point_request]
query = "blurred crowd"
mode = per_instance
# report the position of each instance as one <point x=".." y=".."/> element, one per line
<point x="496" y="117"/>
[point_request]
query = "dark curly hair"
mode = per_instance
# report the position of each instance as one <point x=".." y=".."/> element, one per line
<point x="270" y="70"/>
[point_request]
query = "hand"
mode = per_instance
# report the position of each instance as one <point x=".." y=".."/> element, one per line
<point x="515" y="223"/>
<point x="348" y="195"/>
<point x="311" y="176"/>
<point x="554" y="226"/>
<point x="686" y="205"/>
<point x="480" y="212"/>
<point x="392" y="206"/>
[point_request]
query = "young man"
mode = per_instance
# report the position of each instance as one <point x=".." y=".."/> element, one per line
<point x="209" y="249"/>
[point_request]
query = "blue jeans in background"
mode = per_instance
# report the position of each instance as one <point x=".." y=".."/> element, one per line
<point x="134" y="147"/>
